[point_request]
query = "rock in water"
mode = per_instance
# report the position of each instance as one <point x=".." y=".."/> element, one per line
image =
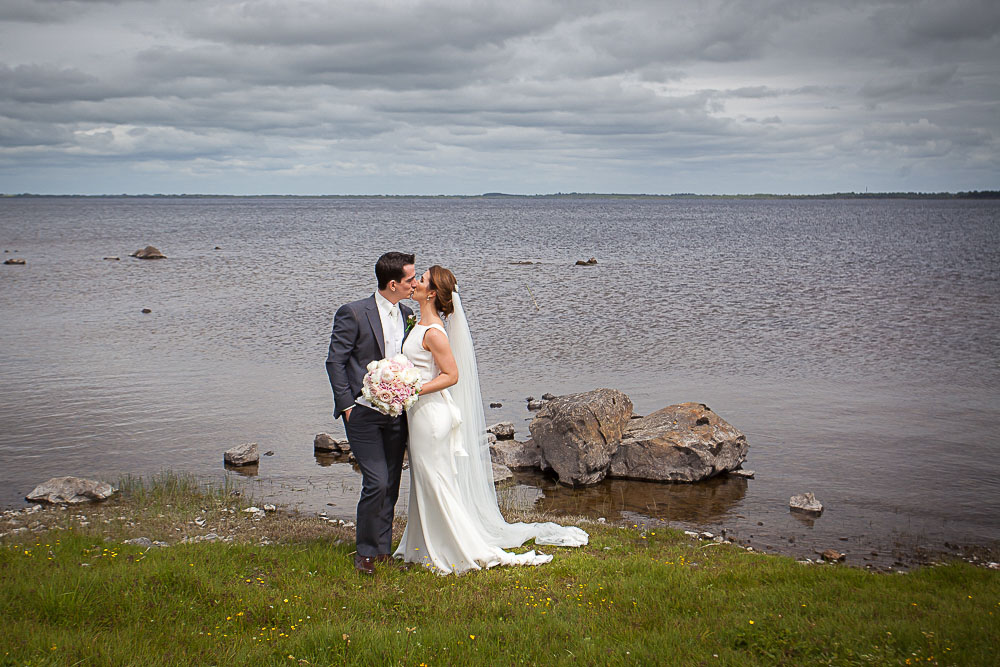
<point x="243" y="455"/>
<point x="324" y="442"/>
<point x="833" y="556"/>
<point x="149" y="252"/>
<point x="501" y="474"/>
<point x="15" y="261"/>
<point x="578" y="433"/>
<point x="502" y="430"/>
<point x="680" y="443"/>
<point x="514" y="454"/>
<point x="71" y="490"/>
<point x="806" y="503"/>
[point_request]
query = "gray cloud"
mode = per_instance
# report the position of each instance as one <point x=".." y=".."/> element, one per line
<point x="548" y="95"/>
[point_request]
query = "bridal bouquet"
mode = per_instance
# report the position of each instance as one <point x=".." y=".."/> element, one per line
<point x="391" y="385"/>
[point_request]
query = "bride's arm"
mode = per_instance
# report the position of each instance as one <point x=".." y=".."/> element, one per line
<point x="437" y="343"/>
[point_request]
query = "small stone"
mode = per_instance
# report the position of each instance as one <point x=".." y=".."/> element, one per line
<point x="496" y="405"/>
<point x="15" y="261"/>
<point x="140" y="542"/>
<point x="501" y="473"/>
<point x="806" y="503"/>
<point x="534" y="405"/>
<point x="324" y="442"/>
<point x="833" y="555"/>
<point x="113" y="259"/>
<point x="269" y="452"/>
<point x="242" y="455"/>
<point x="586" y="262"/>
<point x="706" y="535"/>
<point x="149" y="252"/>
<point x="548" y="396"/>
<point x="530" y="398"/>
<point x="270" y="508"/>
<point x="502" y="430"/>
<point x="745" y="474"/>
<point x="147" y="310"/>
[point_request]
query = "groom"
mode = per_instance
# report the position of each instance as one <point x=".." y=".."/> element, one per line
<point x="366" y="331"/>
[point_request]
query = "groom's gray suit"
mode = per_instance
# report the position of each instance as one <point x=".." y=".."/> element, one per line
<point x="377" y="440"/>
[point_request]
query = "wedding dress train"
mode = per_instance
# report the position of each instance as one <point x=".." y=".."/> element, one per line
<point x="454" y="523"/>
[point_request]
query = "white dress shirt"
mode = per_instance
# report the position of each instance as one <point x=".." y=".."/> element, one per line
<point x="392" y="333"/>
<point x="392" y="327"/>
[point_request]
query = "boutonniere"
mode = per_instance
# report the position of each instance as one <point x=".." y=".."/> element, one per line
<point x="411" y="321"/>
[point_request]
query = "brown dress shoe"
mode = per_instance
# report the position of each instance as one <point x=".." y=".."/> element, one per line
<point x="364" y="564"/>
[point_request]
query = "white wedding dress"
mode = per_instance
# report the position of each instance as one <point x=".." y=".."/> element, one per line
<point x="454" y="524"/>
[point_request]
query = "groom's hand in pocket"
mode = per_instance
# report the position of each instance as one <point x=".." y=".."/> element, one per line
<point x="347" y="414"/>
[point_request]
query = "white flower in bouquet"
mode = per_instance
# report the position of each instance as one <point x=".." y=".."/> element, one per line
<point x="391" y="385"/>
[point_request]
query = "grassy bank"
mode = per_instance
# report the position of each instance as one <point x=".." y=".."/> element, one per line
<point x="280" y="589"/>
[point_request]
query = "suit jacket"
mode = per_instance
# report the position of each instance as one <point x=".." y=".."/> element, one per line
<point x="356" y="341"/>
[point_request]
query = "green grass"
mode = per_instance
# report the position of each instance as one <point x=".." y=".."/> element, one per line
<point x="76" y="595"/>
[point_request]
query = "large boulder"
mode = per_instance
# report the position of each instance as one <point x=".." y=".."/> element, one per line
<point x="243" y="455"/>
<point x="71" y="490"/>
<point x="149" y="252"/>
<point x="516" y="455"/>
<point x="680" y="443"/>
<point x="578" y="433"/>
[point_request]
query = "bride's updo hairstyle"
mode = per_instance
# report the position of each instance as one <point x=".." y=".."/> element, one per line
<point x="443" y="283"/>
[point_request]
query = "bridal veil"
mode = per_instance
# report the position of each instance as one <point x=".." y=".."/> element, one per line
<point x="475" y="471"/>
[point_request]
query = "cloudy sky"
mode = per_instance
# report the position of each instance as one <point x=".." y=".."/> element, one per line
<point x="521" y="96"/>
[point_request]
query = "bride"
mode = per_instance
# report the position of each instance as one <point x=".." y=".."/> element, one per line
<point x="454" y="522"/>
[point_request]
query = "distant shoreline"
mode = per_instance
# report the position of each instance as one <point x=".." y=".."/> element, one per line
<point x="973" y="194"/>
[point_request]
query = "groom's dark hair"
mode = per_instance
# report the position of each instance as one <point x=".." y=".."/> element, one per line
<point x="390" y="267"/>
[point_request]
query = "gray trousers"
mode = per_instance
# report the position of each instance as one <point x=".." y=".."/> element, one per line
<point x="378" y="442"/>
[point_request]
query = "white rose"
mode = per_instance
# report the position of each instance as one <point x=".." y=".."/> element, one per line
<point x="372" y="366"/>
<point x="410" y="375"/>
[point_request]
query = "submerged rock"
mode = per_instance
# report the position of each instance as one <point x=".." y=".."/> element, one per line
<point x="70" y="490"/>
<point x="586" y="262"/>
<point x="149" y="252"/>
<point x="15" y="261"/>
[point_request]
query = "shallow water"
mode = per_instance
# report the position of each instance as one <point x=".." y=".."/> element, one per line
<point x="854" y="342"/>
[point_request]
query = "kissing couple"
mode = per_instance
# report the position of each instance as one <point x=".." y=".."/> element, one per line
<point x="453" y="521"/>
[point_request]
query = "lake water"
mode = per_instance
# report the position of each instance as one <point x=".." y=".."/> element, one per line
<point x="855" y="342"/>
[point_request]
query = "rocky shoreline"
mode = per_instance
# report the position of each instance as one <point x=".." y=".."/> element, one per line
<point x="580" y="441"/>
<point x="121" y="518"/>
